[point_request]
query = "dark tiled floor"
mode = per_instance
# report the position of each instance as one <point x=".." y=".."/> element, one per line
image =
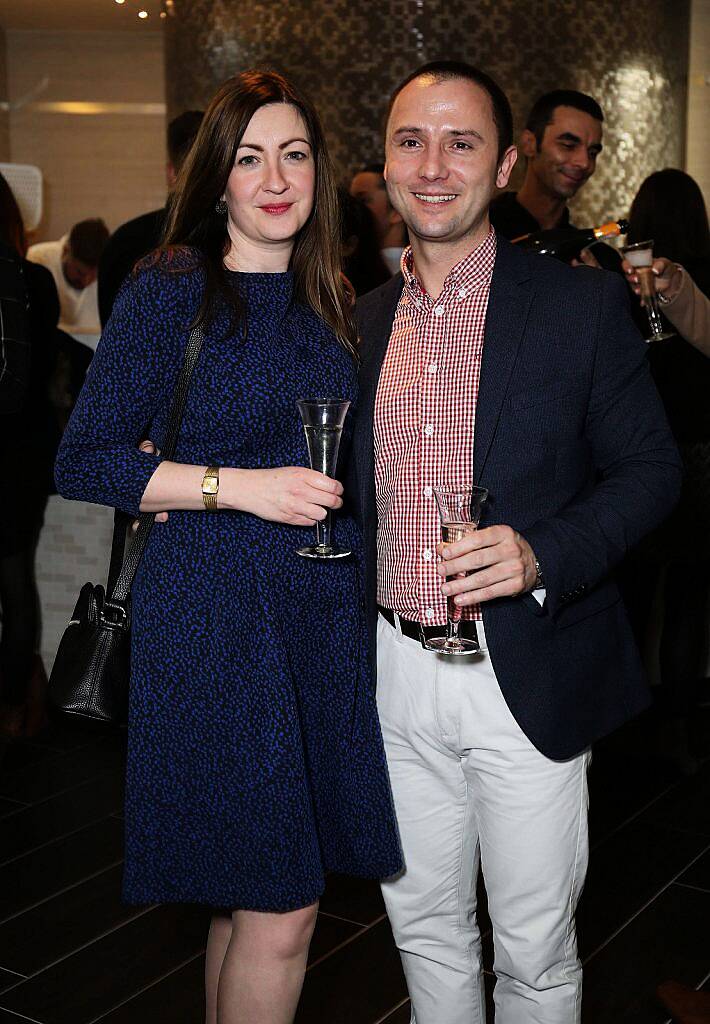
<point x="72" y="953"/>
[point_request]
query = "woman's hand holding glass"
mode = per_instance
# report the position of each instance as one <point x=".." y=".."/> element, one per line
<point x="668" y="276"/>
<point x="285" y="494"/>
<point x="290" y="494"/>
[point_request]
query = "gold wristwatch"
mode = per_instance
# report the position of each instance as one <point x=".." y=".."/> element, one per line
<point x="210" y="488"/>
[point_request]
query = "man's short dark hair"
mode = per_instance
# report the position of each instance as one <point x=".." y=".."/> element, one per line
<point x="181" y="134"/>
<point x="87" y="240"/>
<point x="376" y="168"/>
<point x="449" y="70"/>
<point x="543" y="110"/>
<point x="373" y="168"/>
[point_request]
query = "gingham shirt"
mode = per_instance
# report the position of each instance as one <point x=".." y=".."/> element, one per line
<point x="425" y="412"/>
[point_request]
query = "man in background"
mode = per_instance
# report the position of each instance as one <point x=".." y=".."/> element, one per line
<point x="369" y="186"/>
<point x="73" y="261"/>
<point x="561" y="142"/>
<point x="141" y="235"/>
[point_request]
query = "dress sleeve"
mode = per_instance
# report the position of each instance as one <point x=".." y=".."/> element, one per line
<point x="98" y="460"/>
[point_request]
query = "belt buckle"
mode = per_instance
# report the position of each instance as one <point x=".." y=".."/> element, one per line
<point x="424" y="639"/>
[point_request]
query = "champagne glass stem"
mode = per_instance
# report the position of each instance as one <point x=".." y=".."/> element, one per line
<point x="323" y="528"/>
<point x="452" y="628"/>
<point x="654" y="316"/>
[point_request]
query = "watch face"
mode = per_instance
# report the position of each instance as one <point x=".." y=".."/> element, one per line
<point x="210" y="485"/>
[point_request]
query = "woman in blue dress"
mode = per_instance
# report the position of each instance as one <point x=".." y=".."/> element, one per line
<point x="255" y="762"/>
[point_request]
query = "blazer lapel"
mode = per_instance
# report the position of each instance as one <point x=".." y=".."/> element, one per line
<point x="375" y="328"/>
<point x="508" y="307"/>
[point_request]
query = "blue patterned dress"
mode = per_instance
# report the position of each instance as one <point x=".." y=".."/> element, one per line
<point x="255" y="761"/>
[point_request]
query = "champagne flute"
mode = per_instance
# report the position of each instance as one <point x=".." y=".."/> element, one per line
<point x="640" y="256"/>
<point x="460" y="512"/>
<point x="323" y="420"/>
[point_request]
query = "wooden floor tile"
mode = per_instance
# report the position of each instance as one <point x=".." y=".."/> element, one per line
<point x="626" y="871"/>
<point x="179" y="997"/>
<point x="9" y="807"/>
<point x="698" y="874"/>
<point x="355" y="899"/>
<point x="357" y="984"/>
<point x="669" y="939"/>
<point x="8" y="978"/>
<point x="45" y="872"/>
<point x="31" y="941"/>
<point x="68" y="811"/>
<point x="43" y="779"/>
<point x="92" y="981"/>
<point x="686" y="806"/>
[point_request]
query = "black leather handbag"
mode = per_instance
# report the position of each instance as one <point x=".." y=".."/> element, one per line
<point x="89" y="679"/>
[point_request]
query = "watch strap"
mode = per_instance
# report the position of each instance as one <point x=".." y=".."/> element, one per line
<point x="210" y="488"/>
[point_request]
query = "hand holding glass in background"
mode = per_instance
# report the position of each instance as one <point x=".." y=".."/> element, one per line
<point x="640" y="256"/>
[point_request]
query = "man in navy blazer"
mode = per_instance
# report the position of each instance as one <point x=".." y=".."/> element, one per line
<point x="560" y="421"/>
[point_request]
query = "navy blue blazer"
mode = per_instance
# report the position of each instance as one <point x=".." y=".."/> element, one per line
<point x="573" y="445"/>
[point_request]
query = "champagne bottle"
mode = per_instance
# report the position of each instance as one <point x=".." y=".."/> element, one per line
<point x="566" y="243"/>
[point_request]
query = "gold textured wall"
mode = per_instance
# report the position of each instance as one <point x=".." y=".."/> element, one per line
<point x="632" y="56"/>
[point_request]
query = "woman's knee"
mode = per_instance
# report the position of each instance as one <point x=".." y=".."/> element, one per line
<point x="282" y="936"/>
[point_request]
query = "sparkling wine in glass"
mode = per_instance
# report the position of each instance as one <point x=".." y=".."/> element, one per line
<point x="640" y="256"/>
<point x="323" y="420"/>
<point x="460" y="512"/>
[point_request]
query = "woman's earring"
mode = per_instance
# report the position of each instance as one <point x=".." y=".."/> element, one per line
<point x="220" y="207"/>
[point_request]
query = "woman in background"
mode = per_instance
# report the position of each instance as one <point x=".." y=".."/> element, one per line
<point x="363" y="265"/>
<point x="255" y="760"/>
<point x="669" y="208"/>
<point x="28" y="445"/>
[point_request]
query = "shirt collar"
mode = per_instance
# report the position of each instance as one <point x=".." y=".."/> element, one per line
<point x="469" y="274"/>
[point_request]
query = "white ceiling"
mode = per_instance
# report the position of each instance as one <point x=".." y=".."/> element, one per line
<point x="79" y="15"/>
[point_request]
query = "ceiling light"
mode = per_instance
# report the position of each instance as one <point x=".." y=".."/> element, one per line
<point x="163" y="14"/>
<point x="120" y="1"/>
<point x="142" y="14"/>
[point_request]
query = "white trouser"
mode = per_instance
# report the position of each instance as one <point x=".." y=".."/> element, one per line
<point x="468" y="785"/>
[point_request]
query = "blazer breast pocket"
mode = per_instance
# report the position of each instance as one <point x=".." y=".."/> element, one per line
<point x="550" y="391"/>
<point x="551" y="414"/>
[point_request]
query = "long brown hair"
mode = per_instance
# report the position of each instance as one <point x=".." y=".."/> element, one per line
<point x="669" y="208"/>
<point x="194" y="221"/>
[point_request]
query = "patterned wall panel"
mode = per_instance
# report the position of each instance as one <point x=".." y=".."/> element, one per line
<point x="631" y="56"/>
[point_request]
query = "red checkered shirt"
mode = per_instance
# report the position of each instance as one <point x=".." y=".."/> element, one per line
<point x="425" y="413"/>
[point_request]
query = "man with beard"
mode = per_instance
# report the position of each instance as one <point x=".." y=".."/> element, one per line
<point x="561" y="142"/>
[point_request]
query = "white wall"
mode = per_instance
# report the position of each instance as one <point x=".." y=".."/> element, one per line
<point x="110" y="163"/>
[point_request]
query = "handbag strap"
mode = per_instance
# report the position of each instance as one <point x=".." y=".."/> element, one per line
<point x="129" y="564"/>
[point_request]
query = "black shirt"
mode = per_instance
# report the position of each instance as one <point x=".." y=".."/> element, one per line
<point x="129" y="243"/>
<point x="512" y="220"/>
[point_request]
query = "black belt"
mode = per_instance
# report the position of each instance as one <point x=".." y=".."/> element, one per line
<point x="417" y="631"/>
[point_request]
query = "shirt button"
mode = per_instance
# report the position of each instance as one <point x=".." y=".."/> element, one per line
<point x="428" y="492"/>
<point x="427" y="554"/>
<point x="429" y="429"/>
<point x="462" y="293"/>
<point x="432" y="368"/>
<point x="430" y="613"/>
<point x="439" y="310"/>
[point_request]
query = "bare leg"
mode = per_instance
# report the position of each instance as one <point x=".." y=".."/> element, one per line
<point x="219" y="937"/>
<point x="264" y="965"/>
